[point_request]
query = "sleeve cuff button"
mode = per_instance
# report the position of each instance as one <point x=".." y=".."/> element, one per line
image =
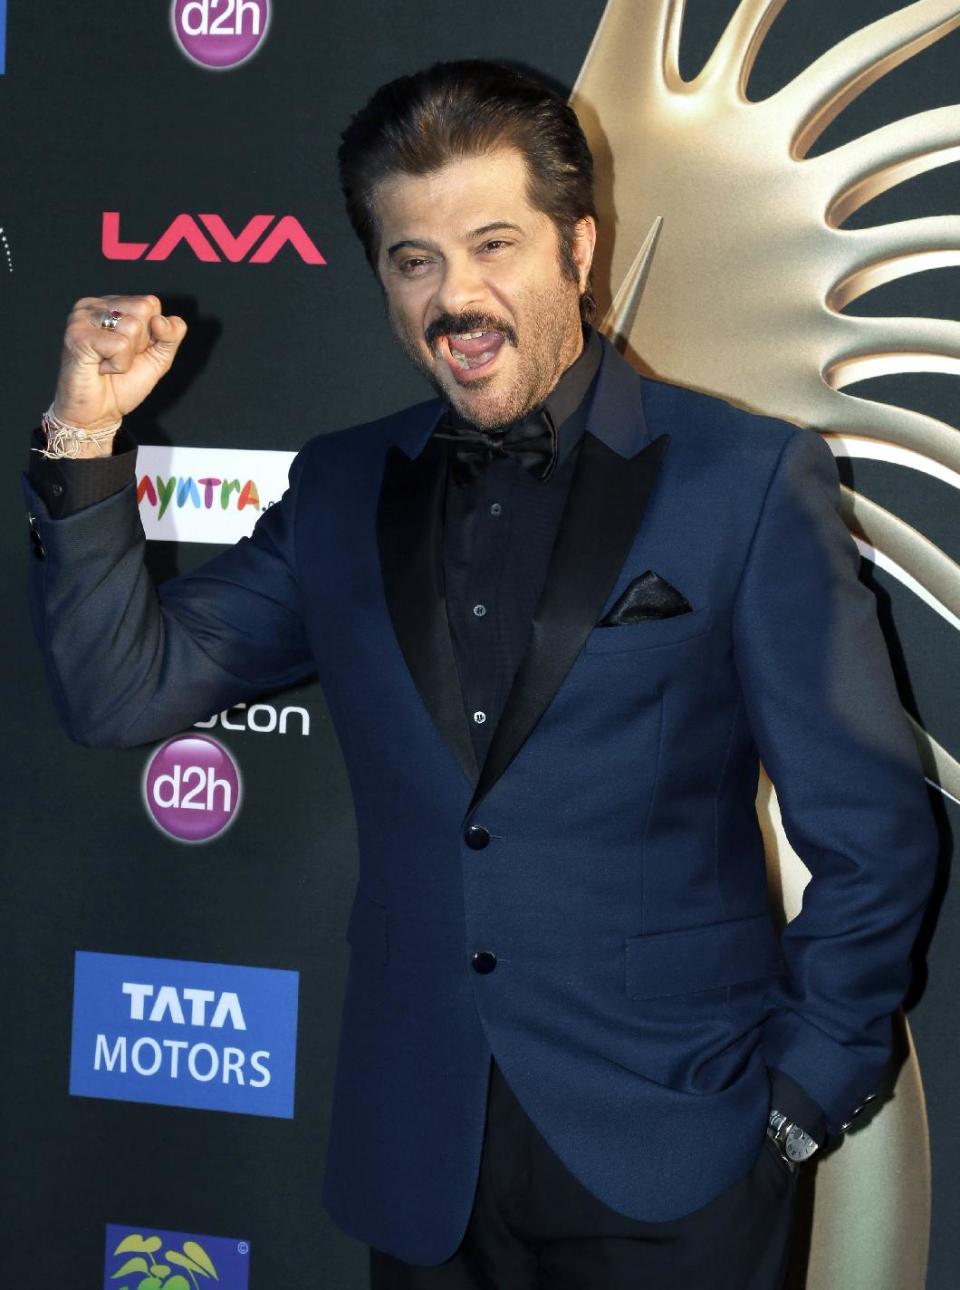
<point x="36" y="541"/>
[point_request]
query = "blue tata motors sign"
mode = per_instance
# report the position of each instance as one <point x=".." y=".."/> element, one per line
<point x="208" y="1035"/>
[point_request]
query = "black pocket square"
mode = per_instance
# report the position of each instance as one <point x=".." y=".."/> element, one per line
<point x="648" y="596"/>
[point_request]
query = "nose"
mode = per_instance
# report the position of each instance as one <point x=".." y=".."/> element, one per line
<point x="461" y="287"/>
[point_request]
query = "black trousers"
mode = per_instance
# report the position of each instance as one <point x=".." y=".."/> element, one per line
<point x="534" y="1226"/>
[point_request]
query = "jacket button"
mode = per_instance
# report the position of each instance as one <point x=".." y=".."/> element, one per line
<point x="484" y="962"/>
<point x="853" y="1115"/>
<point x="476" y="837"/>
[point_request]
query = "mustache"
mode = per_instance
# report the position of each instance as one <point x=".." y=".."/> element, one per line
<point x="469" y="320"/>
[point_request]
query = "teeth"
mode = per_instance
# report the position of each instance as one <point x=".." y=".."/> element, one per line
<point x="468" y="335"/>
<point x="462" y="360"/>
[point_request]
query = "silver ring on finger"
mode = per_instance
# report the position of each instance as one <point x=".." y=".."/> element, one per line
<point x="109" y="321"/>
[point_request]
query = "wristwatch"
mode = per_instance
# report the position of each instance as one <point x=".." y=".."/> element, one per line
<point x="791" y="1141"/>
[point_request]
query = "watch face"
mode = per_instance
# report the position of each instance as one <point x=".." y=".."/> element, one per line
<point x="798" y="1145"/>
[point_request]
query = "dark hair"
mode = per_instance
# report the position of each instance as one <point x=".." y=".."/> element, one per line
<point x="417" y="124"/>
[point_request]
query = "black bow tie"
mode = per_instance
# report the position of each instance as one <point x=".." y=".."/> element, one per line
<point x="533" y="443"/>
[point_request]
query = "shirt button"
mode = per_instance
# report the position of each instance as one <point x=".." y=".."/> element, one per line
<point x="495" y="508"/>
<point x="484" y="961"/>
<point x="479" y="610"/>
<point x="56" y="490"/>
<point x="479" y="717"/>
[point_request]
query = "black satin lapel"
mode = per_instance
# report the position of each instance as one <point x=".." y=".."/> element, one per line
<point x="409" y="522"/>
<point x="607" y="499"/>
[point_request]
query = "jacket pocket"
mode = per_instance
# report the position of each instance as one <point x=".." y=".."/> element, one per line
<point x="367" y="929"/>
<point x="657" y="631"/>
<point x="702" y="958"/>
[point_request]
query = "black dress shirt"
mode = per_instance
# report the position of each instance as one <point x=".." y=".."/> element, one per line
<point x="498" y="532"/>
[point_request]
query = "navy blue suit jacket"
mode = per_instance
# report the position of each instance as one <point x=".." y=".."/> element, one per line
<point x="641" y="992"/>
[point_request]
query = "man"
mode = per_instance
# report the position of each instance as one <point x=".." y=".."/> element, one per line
<point x="558" y="614"/>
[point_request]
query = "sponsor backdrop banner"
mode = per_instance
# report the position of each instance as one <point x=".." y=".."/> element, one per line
<point x="136" y="1040"/>
<point x="163" y="1258"/>
<point x="207" y="494"/>
<point x="173" y="916"/>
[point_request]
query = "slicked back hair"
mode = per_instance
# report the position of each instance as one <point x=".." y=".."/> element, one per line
<point x="417" y="124"/>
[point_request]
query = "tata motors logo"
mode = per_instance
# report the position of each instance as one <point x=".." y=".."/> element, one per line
<point x="149" y="1258"/>
<point x="220" y="33"/>
<point x="174" y="1033"/>
<point x="212" y="240"/>
<point x="191" y="788"/>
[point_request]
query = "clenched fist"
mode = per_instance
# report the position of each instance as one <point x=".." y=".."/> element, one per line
<point x="106" y="373"/>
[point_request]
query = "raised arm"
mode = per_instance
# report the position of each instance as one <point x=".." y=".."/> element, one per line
<point x="127" y="663"/>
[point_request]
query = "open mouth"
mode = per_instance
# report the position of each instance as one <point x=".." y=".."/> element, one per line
<point x="472" y="351"/>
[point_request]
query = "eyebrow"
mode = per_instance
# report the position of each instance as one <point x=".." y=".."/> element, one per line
<point x="470" y="237"/>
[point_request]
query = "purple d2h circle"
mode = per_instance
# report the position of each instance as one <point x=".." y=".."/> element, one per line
<point x="220" y="33"/>
<point x="191" y="788"/>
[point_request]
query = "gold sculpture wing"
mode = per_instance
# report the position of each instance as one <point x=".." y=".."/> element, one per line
<point x="725" y="265"/>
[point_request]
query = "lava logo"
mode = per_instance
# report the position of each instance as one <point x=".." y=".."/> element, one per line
<point x="176" y="1033"/>
<point x="219" y="34"/>
<point x="149" y="1262"/>
<point x="191" y="788"/>
<point x="234" y="246"/>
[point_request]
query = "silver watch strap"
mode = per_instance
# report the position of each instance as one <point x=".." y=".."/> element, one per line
<point x="793" y="1143"/>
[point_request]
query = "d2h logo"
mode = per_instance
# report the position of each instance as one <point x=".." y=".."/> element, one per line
<point x="191" y="788"/>
<point x="220" y="33"/>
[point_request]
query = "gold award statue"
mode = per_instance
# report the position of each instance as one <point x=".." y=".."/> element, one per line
<point x="727" y="268"/>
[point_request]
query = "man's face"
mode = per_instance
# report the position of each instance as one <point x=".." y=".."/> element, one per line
<point x="476" y="291"/>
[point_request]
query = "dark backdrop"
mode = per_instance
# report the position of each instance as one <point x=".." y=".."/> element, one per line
<point x="102" y="112"/>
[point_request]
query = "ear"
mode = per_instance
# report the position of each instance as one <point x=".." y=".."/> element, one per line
<point x="584" y="243"/>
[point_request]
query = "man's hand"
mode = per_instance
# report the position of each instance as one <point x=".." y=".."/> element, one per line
<point x="106" y="373"/>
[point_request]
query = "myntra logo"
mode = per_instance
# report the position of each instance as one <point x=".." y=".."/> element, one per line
<point x="187" y="491"/>
<point x="207" y="494"/>
<point x="214" y="241"/>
